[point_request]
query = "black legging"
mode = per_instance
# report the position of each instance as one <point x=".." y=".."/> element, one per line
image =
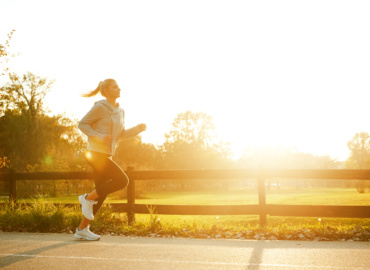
<point x="108" y="176"/>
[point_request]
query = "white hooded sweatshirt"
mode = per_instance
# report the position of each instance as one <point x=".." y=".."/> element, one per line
<point x="103" y="119"/>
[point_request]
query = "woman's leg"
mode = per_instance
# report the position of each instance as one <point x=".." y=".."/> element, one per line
<point x="108" y="177"/>
<point x="84" y="223"/>
<point x="92" y="196"/>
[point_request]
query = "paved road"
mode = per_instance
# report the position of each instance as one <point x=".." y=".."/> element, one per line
<point x="61" y="251"/>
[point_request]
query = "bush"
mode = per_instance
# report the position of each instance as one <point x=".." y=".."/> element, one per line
<point x="47" y="217"/>
<point x="362" y="186"/>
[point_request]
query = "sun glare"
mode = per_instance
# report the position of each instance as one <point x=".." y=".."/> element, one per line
<point x="268" y="73"/>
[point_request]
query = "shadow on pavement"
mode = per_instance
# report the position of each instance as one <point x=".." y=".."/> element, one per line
<point x="18" y="257"/>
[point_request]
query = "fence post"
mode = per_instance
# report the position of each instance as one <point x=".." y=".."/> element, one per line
<point x="12" y="187"/>
<point x="262" y="197"/>
<point x="131" y="199"/>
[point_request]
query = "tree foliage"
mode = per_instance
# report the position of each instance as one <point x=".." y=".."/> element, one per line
<point x="25" y="94"/>
<point x="5" y="55"/>
<point x="133" y="152"/>
<point x="359" y="157"/>
<point x="29" y="138"/>
<point x="192" y="143"/>
<point x="359" y="147"/>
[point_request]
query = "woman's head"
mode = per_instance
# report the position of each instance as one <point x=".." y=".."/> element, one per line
<point x="107" y="88"/>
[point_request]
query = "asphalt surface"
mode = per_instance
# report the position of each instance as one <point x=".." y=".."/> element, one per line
<point x="62" y="251"/>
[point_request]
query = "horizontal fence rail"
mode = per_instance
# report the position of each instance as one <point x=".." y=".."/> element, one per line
<point x="262" y="209"/>
<point x="200" y="174"/>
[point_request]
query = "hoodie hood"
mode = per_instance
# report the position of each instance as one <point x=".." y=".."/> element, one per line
<point x="109" y="106"/>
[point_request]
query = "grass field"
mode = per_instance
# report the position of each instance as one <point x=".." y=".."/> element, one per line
<point x="44" y="216"/>
<point x="289" y="196"/>
<point x="323" y="196"/>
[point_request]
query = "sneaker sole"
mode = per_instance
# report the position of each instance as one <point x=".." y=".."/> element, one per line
<point x="86" y="238"/>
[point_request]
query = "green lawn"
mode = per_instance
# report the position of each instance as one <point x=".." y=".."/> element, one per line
<point x="317" y="196"/>
<point x="34" y="218"/>
<point x="309" y="196"/>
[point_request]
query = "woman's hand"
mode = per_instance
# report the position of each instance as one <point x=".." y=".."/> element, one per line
<point x="107" y="139"/>
<point x="142" y="127"/>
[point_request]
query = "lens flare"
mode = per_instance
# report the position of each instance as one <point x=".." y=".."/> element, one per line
<point x="48" y="160"/>
<point x="88" y="155"/>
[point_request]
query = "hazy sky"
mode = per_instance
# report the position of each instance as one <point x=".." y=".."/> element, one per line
<point x="288" y="73"/>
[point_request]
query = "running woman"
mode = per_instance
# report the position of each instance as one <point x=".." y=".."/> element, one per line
<point x="104" y="126"/>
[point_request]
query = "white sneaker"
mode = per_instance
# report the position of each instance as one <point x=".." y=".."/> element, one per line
<point x="87" y="207"/>
<point x="86" y="234"/>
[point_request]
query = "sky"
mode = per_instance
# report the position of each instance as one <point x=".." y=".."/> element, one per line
<point x="292" y="74"/>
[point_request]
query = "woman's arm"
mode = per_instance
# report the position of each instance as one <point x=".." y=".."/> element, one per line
<point x="85" y="124"/>
<point x="128" y="133"/>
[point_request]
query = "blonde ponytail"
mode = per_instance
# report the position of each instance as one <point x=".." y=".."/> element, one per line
<point x="99" y="89"/>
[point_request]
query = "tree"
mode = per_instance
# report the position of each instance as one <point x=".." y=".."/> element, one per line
<point x="360" y="156"/>
<point x="54" y="145"/>
<point x="360" y="151"/>
<point x="25" y="94"/>
<point x="31" y="140"/>
<point x="23" y="125"/>
<point x="4" y="55"/>
<point x="133" y="152"/>
<point x="192" y="143"/>
<point x="29" y="137"/>
<point x="4" y="59"/>
<point x="192" y="128"/>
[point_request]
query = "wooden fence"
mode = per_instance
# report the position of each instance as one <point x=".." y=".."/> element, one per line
<point x="262" y="209"/>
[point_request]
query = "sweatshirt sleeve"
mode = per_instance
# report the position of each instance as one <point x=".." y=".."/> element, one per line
<point x="131" y="132"/>
<point x="85" y="124"/>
